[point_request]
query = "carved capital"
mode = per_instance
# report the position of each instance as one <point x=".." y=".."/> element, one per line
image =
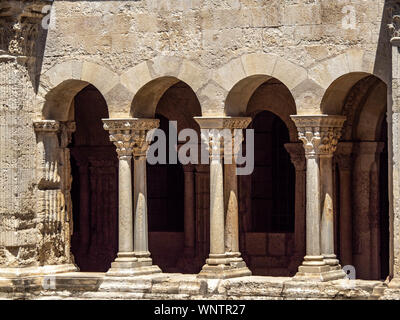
<point x="216" y="130"/>
<point x="297" y="155"/>
<point x="20" y="24"/>
<point x="129" y="135"/>
<point x="46" y="126"/>
<point x="67" y="129"/>
<point x="320" y="134"/>
<point x="393" y="12"/>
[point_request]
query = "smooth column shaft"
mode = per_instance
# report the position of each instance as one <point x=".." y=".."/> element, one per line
<point x="189" y="219"/>
<point x="313" y="208"/>
<point x="140" y="207"/>
<point x="327" y="228"/>
<point x="345" y="223"/>
<point x="125" y="205"/>
<point x="232" y="209"/>
<point x="217" y="245"/>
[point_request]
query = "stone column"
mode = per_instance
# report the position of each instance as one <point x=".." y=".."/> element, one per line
<point x="394" y="145"/>
<point x="189" y="219"/>
<point x="366" y="156"/>
<point x="218" y="265"/>
<point x="343" y="157"/>
<point x="129" y="137"/>
<point x="319" y="135"/>
<point x="298" y="159"/>
<point x="231" y="204"/>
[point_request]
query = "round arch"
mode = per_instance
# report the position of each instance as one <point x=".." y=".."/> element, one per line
<point x="60" y="84"/>
<point x="240" y="78"/>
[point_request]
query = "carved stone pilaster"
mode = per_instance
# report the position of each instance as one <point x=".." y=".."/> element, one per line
<point x="20" y="26"/>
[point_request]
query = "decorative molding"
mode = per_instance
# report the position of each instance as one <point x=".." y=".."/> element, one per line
<point x="223" y="122"/>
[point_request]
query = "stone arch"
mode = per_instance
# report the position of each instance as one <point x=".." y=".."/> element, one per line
<point x="61" y="83"/>
<point x="372" y="114"/>
<point x="240" y="78"/>
<point x="337" y="75"/>
<point x="149" y="80"/>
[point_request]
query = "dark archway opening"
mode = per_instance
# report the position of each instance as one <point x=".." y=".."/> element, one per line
<point x="165" y="192"/>
<point x="270" y="193"/>
<point x="94" y="192"/>
<point x="166" y="187"/>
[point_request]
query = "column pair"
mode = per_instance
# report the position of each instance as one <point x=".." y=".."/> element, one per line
<point x="224" y="260"/>
<point x="320" y="135"/>
<point x="129" y="137"/>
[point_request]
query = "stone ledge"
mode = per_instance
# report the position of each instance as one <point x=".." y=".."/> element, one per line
<point x="81" y="285"/>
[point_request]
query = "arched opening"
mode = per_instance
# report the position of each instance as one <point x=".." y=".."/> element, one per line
<point x="94" y="192"/>
<point x="267" y="196"/>
<point x="361" y="178"/>
<point x="165" y="194"/>
<point x="173" y="211"/>
<point x="272" y="193"/>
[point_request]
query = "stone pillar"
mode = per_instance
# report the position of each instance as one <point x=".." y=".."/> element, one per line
<point x="231" y="204"/>
<point x="189" y="218"/>
<point x="220" y="264"/>
<point x="343" y="157"/>
<point x="319" y="134"/>
<point x="298" y="159"/>
<point x="21" y="244"/>
<point x="129" y="137"/>
<point x="366" y="158"/>
<point x="394" y="145"/>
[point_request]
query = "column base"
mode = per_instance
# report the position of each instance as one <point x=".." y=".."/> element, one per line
<point x="394" y="283"/>
<point x="37" y="271"/>
<point x="314" y="268"/>
<point x="224" y="266"/>
<point x="132" y="264"/>
<point x="331" y="260"/>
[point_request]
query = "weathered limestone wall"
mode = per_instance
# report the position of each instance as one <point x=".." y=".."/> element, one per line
<point x="305" y="44"/>
<point x="120" y="46"/>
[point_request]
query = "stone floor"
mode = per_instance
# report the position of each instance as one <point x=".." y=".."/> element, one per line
<point x="79" y="285"/>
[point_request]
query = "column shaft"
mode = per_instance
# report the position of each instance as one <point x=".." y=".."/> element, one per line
<point x="327" y="219"/>
<point x="232" y="210"/>
<point x="125" y="223"/>
<point x="189" y="219"/>
<point x="217" y="245"/>
<point x="345" y="219"/>
<point x="141" y="245"/>
<point x="313" y="249"/>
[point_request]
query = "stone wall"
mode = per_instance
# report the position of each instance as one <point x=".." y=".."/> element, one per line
<point x="120" y="46"/>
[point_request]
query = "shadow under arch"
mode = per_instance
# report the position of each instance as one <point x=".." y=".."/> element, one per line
<point x="248" y="97"/>
<point x="146" y="100"/>
<point x="334" y="98"/>
<point x="362" y="236"/>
